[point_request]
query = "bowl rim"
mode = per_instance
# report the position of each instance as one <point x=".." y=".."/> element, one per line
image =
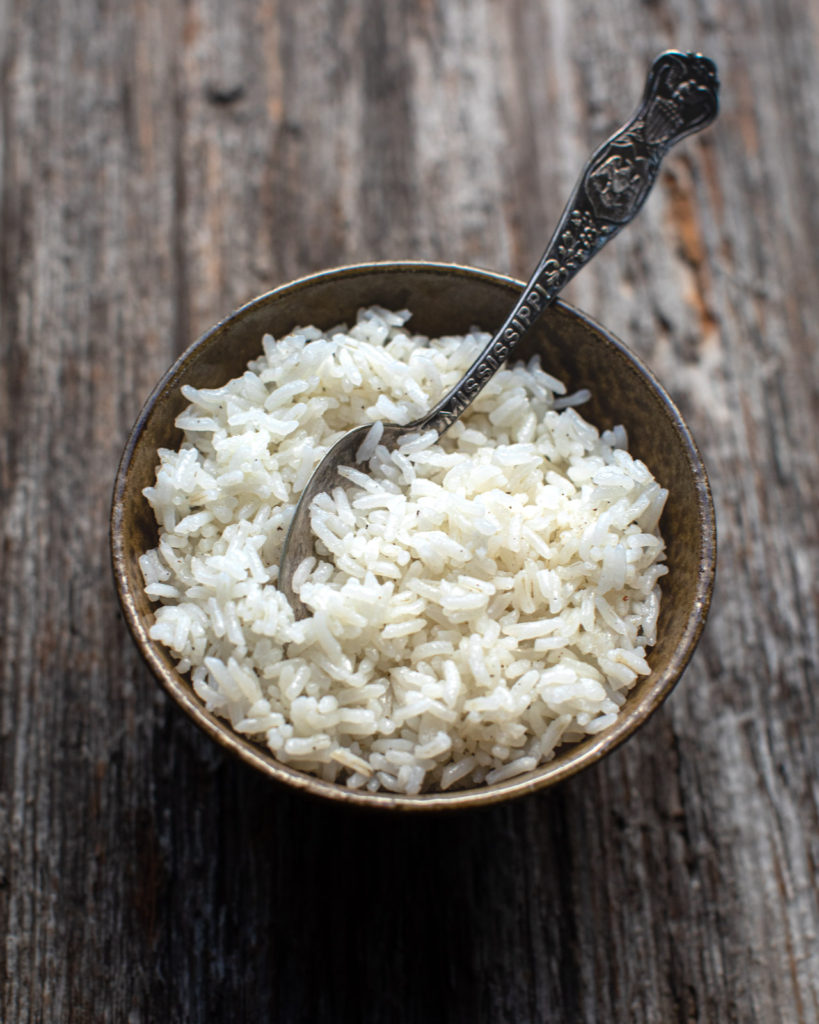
<point x="547" y="774"/>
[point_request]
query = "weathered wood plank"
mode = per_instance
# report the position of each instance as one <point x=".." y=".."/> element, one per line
<point x="158" y="166"/>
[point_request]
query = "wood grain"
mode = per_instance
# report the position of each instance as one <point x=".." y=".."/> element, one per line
<point x="159" y="164"/>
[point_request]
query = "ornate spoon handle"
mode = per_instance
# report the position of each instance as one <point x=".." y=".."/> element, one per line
<point x="680" y="97"/>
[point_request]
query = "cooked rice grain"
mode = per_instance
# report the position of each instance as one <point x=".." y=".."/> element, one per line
<point x="476" y="600"/>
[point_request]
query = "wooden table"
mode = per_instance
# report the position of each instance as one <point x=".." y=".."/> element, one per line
<point x="160" y="164"/>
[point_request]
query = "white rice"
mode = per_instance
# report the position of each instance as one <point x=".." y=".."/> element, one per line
<point x="476" y="601"/>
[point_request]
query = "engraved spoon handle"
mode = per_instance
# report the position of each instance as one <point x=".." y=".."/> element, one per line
<point x="680" y="97"/>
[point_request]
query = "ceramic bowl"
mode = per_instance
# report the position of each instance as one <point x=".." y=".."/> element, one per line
<point x="445" y="299"/>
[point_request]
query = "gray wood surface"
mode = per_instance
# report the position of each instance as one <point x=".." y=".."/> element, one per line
<point x="160" y="164"/>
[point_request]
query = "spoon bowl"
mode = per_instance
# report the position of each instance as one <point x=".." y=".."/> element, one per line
<point x="445" y="299"/>
<point x="299" y="542"/>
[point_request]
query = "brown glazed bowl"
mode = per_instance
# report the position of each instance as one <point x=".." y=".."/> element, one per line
<point x="445" y="299"/>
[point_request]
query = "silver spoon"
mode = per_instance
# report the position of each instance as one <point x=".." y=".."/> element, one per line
<point x="680" y="97"/>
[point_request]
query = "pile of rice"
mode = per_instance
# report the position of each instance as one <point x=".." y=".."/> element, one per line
<point x="476" y="601"/>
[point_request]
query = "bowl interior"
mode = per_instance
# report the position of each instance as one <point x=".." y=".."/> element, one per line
<point x="445" y="300"/>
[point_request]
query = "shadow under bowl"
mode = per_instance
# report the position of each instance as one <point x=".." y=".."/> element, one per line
<point x="445" y="299"/>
